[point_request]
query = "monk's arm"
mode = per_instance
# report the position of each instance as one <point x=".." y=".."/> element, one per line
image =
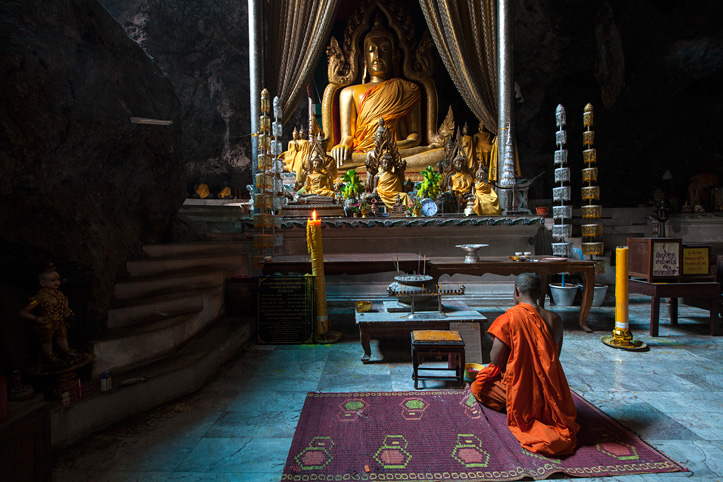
<point x="499" y="353"/>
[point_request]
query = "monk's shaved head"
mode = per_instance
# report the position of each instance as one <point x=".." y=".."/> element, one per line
<point x="529" y="284"/>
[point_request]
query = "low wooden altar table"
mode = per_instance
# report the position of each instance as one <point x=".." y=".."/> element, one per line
<point x="504" y="266"/>
<point x="710" y="290"/>
<point x="380" y="322"/>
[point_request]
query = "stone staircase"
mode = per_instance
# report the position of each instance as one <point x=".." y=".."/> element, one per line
<point x="166" y="325"/>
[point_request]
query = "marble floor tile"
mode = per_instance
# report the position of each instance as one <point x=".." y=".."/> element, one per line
<point x="109" y="476"/>
<point x="229" y="455"/>
<point x="268" y="399"/>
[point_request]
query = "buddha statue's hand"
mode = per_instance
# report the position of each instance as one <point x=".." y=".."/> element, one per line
<point x="341" y="153"/>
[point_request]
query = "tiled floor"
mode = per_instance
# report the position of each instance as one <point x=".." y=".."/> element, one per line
<point x="240" y="426"/>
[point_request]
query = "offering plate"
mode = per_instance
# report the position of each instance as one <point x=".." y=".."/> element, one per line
<point x="406" y="285"/>
<point x="471" y="249"/>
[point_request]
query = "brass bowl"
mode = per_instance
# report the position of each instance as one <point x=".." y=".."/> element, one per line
<point x="471" y="370"/>
<point x="363" y="306"/>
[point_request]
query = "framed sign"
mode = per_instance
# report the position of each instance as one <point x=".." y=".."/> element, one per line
<point x="666" y="260"/>
<point x="286" y="310"/>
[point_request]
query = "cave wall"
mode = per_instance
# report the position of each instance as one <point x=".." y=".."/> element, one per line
<point x="82" y="187"/>
<point x="203" y="49"/>
<point x="651" y="70"/>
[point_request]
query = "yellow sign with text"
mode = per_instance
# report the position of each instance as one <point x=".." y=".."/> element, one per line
<point x="695" y="261"/>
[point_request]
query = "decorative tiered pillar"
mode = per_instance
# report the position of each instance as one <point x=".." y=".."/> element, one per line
<point x="268" y="195"/>
<point x="592" y="232"/>
<point x="562" y="213"/>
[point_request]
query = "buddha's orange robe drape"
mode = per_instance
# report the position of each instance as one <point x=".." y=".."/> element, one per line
<point x="540" y="410"/>
<point x="391" y="99"/>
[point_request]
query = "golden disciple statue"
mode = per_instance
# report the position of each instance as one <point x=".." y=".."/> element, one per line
<point x="394" y="99"/>
<point x="468" y="146"/>
<point x="296" y="155"/>
<point x="389" y="185"/>
<point x="483" y="145"/>
<point x="318" y="181"/>
<point x="486" y="201"/>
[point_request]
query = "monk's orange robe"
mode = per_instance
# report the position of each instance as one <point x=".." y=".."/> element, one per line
<point x="540" y="410"/>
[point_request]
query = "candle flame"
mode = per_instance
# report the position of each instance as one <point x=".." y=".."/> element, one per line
<point x="313" y="215"/>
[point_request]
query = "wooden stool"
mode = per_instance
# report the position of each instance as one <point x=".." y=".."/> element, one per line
<point x="438" y="345"/>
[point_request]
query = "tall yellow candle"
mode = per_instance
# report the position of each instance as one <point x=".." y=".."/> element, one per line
<point x="621" y="288"/>
<point x="313" y="244"/>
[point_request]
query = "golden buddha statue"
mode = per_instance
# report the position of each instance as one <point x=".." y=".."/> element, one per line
<point x="296" y="154"/>
<point x="384" y="95"/>
<point x="486" y="202"/>
<point x="389" y="185"/>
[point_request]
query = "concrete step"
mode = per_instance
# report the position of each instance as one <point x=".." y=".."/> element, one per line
<point x="167" y="379"/>
<point x="169" y="283"/>
<point x="219" y="226"/>
<point x="138" y="310"/>
<point x="141" y="343"/>
<point x="159" y="266"/>
<point x="193" y="249"/>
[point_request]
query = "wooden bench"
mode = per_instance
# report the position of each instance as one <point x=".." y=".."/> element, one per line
<point x="707" y="290"/>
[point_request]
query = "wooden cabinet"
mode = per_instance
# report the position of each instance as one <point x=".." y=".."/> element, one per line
<point x="655" y="259"/>
<point x="25" y="446"/>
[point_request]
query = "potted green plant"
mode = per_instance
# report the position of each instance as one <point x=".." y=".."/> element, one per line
<point x="352" y="185"/>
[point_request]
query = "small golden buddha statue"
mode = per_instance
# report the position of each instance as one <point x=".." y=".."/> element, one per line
<point x="468" y="146"/>
<point x="296" y="154"/>
<point x="486" y="202"/>
<point x="459" y="180"/>
<point x="389" y="185"/>
<point x="318" y="181"/>
<point x="385" y="95"/>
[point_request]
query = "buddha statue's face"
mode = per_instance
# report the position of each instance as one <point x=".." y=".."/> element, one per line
<point x="316" y="164"/>
<point x="386" y="163"/>
<point x="379" y="56"/>
<point x="458" y="161"/>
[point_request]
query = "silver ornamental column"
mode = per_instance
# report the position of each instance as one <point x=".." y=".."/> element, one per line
<point x="505" y="105"/>
<point x="256" y="61"/>
<point x="561" y="214"/>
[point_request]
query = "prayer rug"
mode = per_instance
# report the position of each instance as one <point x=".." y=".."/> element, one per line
<point x="447" y="435"/>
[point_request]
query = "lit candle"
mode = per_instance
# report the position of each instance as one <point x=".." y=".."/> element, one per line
<point x="621" y="288"/>
<point x="313" y="244"/>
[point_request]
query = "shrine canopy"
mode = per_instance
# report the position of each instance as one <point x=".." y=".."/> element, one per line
<point x="464" y="33"/>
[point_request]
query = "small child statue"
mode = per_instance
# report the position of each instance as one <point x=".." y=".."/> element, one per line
<point x="52" y="316"/>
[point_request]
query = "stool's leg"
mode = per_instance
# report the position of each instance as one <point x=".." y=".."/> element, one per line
<point x="654" y="315"/>
<point x="461" y="368"/>
<point x="673" y="310"/>
<point x="415" y="367"/>
<point x="714" y="323"/>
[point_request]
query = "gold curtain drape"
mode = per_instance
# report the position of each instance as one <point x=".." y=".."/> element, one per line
<point x="298" y="33"/>
<point x="465" y="33"/>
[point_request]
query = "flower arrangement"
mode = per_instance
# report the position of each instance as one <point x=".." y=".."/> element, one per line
<point x="430" y="185"/>
<point x="415" y="206"/>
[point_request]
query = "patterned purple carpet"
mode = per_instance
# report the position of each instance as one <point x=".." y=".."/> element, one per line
<point x="447" y="435"/>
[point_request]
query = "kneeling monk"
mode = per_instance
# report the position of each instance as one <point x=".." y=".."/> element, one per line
<point x="525" y="376"/>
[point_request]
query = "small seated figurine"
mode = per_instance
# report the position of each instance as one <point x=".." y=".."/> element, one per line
<point x="388" y="185"/>
<point x="460" y="181"/>
<point x="202" y="191"/>
<point x="486" y="201"/>
<point x="318" y="181"/>
<point x="51" y="320"/>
